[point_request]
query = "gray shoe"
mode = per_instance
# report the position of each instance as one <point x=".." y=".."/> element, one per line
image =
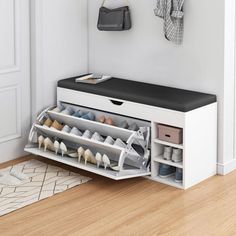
<point x="68" y="111"/>
<point x="89" y="116"/>
<point x="87" y="134"/>
<point x="109" y="140"/>
<point x="96" y="136"/>
<point x="167" y="153"/>
<point x="177" y="155"/>
<point x="179" y="175"/>
<point x="76" y="131"/>
<point x="124" y="124"/>
<point x="166" y="170"/>
<point x="133" y="127"/>
<point x="66" y="129"/>
<point x="119" y="143"/>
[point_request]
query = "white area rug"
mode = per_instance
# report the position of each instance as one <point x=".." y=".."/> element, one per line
<point x="43" y="181"/>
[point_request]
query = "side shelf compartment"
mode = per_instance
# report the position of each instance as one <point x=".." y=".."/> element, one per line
<point x="128" y="161"/>
<point x="169" y="138"/>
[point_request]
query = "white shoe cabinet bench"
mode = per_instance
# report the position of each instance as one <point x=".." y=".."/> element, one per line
<point x="147" y="105"/>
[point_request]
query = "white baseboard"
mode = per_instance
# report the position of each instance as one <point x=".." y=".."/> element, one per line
<point x="226" y="168"/>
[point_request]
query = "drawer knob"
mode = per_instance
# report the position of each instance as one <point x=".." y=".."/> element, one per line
<point x="117" y="103"/>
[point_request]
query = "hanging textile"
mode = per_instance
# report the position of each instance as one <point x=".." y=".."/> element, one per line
<point x="172" y="13"/>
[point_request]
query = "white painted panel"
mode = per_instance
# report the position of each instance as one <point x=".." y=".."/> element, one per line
<point x="200" y="144"/>
<point x="9" y="119"/>
<point x="7" y="29"/>
<point x="137" y="110"/>
<point x="143" y="53"/>
<point x="14" y="78"/>
<point x="60" y="46"/>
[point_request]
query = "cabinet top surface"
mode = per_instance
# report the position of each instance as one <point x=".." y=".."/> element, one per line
<point x="149" y="94"/>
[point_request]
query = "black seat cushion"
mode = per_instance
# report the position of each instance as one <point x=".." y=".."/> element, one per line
<point x="154" y="95"/>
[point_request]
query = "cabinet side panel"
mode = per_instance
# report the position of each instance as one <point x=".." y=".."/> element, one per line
<point x="200" y="139"/>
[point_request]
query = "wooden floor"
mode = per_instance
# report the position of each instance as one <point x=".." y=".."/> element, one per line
<point x="130" y="207"/>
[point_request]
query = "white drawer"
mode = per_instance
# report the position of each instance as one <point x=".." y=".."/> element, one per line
<point x="126" y="160"/>
<point x="118" y="106"/>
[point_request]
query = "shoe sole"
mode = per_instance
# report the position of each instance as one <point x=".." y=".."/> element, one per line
<point x="177" y="161"/>
<point x="178" y="181"/>
<point x="166" y="176"/>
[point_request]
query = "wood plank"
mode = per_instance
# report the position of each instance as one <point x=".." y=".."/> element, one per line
<point x="130" y="207"/>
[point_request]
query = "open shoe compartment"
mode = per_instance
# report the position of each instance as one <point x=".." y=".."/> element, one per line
<point x="128" y="163"/>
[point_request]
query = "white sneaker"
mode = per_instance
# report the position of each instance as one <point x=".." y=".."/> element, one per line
<point x="167" y="153"/>
<point x="177" y="155"/>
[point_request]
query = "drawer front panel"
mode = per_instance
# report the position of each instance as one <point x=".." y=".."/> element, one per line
<point x="127" y="108"/>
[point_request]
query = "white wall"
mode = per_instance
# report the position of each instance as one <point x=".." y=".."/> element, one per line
<point x="144" y="54"/>
<point x="59" y="47"/>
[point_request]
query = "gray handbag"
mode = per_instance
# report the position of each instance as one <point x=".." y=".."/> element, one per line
<point x="117" y="19"/>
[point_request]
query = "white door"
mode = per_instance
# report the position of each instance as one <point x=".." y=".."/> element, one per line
<point x="14" y="78"/>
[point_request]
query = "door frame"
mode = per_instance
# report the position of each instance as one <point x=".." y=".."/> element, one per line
<point x="227" y="159"/>
<point x="36" y="15"/>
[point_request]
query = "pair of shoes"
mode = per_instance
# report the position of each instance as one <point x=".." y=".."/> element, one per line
<point x="41" y="141"/>
<point x="59" y="108"/>
<point x="102" y="159"/>
<point x="130" y="149"/>
<point x="109" y="140"/>
<point x="87" y="134"/>
<point x="47" y="123"/>
<point x="173" y="154"/>
<point x="56" y="125"/>
<point x="166" y="171"/>
<point x="67" y="111"/>
<point x="124" y="125"/>
<point x="60" y="147"/>
<point x="119" y="143"/>
<point x="88" y="116"/>
<point x="108" y="121"/>
<point x="76" y="131"/>
<point x="96" y="136"/>
<point x="69" y="130"/>
<point x="71" y="112"/>
<point x="46" y="142"/>
<point x="55" y="147"/>
<point x="53" y="124"/>
<point x="133" y="127"/>
<point x="87" y="155"/>
<point x="78" y="114"/>
<point x="90" y="158"/>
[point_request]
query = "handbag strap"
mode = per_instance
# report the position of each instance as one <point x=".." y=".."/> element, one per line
<point x="104" y="1"/>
